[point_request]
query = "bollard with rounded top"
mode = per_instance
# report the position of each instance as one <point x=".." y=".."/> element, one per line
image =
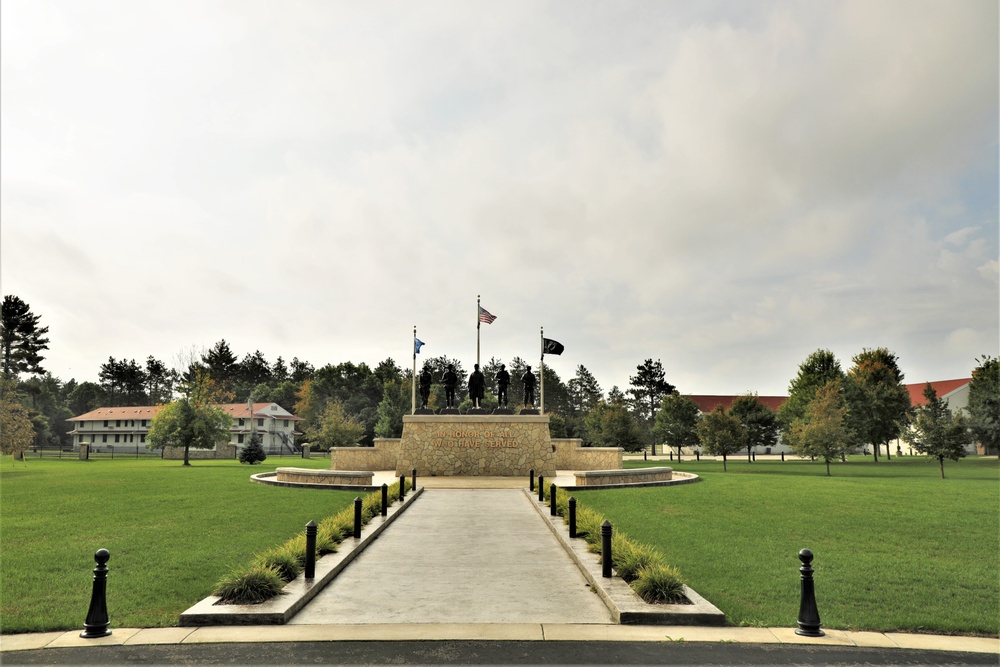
<point x="697" y="454"/>
<point x="310" y="565"/>
<point x="541" y="488"/>
<point x="552" y="499"/>
<point x="782" y="456"/>
<point x="413" y="478"/>
<point x="97" y="621"/>
<point x="531" y="479"/>
<point x="606" y="530"/>
<point x="809" y="625"/>
<point x="644" y="455"/>
<point x="357" y="517"/>
<point x="572" y="516"/>
<point x="385" y="499"/>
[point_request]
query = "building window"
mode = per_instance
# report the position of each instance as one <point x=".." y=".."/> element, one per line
<point x="117" y="437"/>
<point x="104" y="438"/>
<point x="260" y="422"/>
<point x="142" y="438"/>
<point x="118" y="422"/>
<point x="144" y="423"/>
<point x="239" y="439"/>
<point x="286" y="423"/>
<point x="105" y="423"/>
<point x="241" y="421"/>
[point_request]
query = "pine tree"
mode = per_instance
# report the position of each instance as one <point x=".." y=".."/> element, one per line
<point x="21" y="339"/>
<point x="253" y="452"/>
<point x="937" y="432"/>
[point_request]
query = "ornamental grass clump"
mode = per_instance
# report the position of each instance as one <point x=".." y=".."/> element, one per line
<point x="659" y="583"/>
<point x="251" y="584"/>
<point x="285" y="559"/>
<point x="631" y="557"/>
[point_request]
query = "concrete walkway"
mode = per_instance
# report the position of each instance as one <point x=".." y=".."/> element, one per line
<point x="461" y="556"/>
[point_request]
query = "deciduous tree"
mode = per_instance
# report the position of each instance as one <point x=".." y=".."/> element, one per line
<point x="984" y="403"/>
<point x="16" y="430"/>
<point x="676" y="423"/>
<point x="721" y="434"/>
<point x="823" y="431"/>
<point x="189" y="422"/>
<point x="21" y="339"/>
<point x="612" y="425"/>
<point x="819" y="368"/>
<point x="878" y="403"/>
<point x="937" y="432"/>
<point x="336" y="429"/>
<point x="759" y="422"/>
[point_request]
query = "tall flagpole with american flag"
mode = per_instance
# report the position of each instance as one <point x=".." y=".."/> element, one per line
<point x="482" y="315"/>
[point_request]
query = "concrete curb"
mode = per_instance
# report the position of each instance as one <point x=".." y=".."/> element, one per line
<point x="626" y="607"/>
<point x="278" y="610"/>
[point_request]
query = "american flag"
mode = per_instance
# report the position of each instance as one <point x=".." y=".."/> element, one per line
<point x="485" y="316"/>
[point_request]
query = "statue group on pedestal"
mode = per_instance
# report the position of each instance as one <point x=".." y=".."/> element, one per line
<point x="477" y="387"/>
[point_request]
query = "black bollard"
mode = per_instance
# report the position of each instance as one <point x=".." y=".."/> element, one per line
<point x="644" y="455"/>
<point x="753" y="455"/>
<point x="671" y="456"/>
<point x="357" y="517"/>
<point x="413" y="479"/>
<point x="552" y="500"/>
<point x="572" y="516"/>
<point x="385" y="499"/>
<point x="97" y="621"/>
<point x="782" y="456"/>
<point x="606" y="549"/>
<point x="311" y="550"/>
<point x="809" y="625"/>
<point x="698" y="454"/>
<point x="541" y="488"/>
<point x="402" y="486"/>
<point x="531" y="479"/>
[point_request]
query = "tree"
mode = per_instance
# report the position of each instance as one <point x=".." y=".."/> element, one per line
<point x="16" y="430"/>
<point x="584" y="391"/>
<point x="189" y="422"/>
<point x="823" y="431"/>
<point x="336" y="429"/>
<point x="85" y="397"/>
<point x="721" y="434"/>
<point x="21" y="339"/>
<point x="819" y="368"/>
<point x="937" y="432"/>
<point x="160" y="381"/>
<point x="984" y="403"/>
<point x="676" y="423"/>
<point x="878" y="403"/>
<point x="649" y="386"/>
<point x="124" y="382"/>
<point x="47" y="408"/>
<point x="612" y="425"/>
<point x="253" y="452"/>
<point x="395" y="403"/>
<point x="220" y="362"/>
<point x="250" y="372"/>
<point x="759" y="422"/>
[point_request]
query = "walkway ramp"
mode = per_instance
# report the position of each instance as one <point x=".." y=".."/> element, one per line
<point x="461" y="556"/>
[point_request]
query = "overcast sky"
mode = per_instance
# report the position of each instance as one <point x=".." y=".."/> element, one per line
<point x="724" y="186"/>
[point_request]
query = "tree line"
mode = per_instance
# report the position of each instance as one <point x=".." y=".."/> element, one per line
<point x="351" y="403"/>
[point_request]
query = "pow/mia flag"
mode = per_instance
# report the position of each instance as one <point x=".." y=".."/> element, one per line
<point x="550" y="346"/>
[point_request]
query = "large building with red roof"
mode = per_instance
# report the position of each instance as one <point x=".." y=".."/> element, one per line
<point x="107" y="428"/>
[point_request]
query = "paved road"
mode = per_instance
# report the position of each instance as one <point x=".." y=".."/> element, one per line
<point x="490" y="653"/>
<point x="461" y="556"/>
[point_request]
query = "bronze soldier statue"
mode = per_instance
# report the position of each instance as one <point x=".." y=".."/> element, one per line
<point x="477" y="385"/>
<point x="528" y="379"/>
<point x="503" y="380"/>
<point x="449" y="380"/>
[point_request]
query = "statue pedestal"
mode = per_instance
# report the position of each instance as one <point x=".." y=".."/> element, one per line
<point x="476" y="445"/>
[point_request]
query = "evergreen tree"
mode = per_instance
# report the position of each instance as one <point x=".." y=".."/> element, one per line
<point x="584" y="391"/>
<point x="395" y="403"/>
<point x="937" y="432"/>
<point x="253" y="452"/>
<point x="21" y="339"/>
<point x="649" y="386"/>
<point x="221" y="365"/>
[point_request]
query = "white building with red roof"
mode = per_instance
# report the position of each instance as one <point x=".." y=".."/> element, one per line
<point x="106" y="428"/>
<point x="955" y="394"/>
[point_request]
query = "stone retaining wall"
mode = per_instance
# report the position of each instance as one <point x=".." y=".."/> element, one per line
<point x="311" y="476"/>
<point x="380" y="457"/>
<point x="633" y="476"/>
<point x="570" y="454"/>
<point x="220" y="452"/>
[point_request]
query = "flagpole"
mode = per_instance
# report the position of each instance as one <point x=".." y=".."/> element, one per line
<point x="413" y="380"/>
<point x="541" y="370"/>
<point x="478" y="325"/>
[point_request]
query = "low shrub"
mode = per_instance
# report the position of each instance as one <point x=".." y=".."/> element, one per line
<point x="250" y="584"/>
<point x="659" y="583"/>
<point x="630" y="557"/>
<point x="285" y="559"/>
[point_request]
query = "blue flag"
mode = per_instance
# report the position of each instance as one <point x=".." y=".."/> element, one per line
<point x="416" y="345"/>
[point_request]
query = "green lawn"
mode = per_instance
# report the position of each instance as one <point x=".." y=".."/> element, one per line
<point x="172" y="531"/>
<point x="897" y="548"/>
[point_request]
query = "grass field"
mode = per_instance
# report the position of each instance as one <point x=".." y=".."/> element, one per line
<point x="897" y="548"/>
<point x="172" y="531"/>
